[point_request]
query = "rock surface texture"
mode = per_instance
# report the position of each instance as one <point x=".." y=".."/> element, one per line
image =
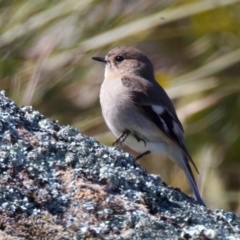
<point x="56" y="183"/>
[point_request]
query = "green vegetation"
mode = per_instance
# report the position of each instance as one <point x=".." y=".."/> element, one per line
<point x="45" y="61"/>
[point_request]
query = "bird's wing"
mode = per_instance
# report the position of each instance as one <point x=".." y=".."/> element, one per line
<point x="156" y="105"/>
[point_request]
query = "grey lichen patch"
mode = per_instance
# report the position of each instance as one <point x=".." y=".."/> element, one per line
<point x="56" y="183"/>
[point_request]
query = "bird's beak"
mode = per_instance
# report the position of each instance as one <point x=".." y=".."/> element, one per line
<point x="100" y="59"/>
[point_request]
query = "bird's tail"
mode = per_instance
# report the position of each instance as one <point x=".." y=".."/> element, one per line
<point x="181" y="159"/>
<point x="189" y="174"/>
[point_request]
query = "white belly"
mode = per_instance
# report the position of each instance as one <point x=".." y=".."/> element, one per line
<point x="156" y="148"/>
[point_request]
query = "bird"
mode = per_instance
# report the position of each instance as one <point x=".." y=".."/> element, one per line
<point x="140" y="113"/>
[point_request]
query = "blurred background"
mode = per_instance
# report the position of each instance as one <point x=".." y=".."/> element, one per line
<point x="45" y="61"/>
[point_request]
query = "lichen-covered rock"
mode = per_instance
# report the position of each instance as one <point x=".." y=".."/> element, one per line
<point x="56" y="183"/>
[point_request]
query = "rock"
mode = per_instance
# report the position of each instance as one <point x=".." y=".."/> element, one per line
<point x="56" y="183"/>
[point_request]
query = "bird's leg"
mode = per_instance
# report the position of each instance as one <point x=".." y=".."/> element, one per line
<point x="122" y="137"/>
<point x="142" y="154"/>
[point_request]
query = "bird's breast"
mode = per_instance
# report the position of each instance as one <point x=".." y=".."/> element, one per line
<point x="114" y="105"/>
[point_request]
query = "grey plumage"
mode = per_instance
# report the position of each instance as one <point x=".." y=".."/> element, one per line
<point x="138" y="110"/>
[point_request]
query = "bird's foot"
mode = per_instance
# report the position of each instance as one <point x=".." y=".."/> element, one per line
<point x="140" y="139"/>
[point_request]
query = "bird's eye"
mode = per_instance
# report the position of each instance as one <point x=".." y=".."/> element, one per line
<point x="119" y="58"/>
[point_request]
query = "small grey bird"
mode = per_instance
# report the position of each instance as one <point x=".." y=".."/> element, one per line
<point x="139" y="112"/>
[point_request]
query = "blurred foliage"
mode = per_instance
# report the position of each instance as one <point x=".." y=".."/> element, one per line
<point x="45" y="50"/>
